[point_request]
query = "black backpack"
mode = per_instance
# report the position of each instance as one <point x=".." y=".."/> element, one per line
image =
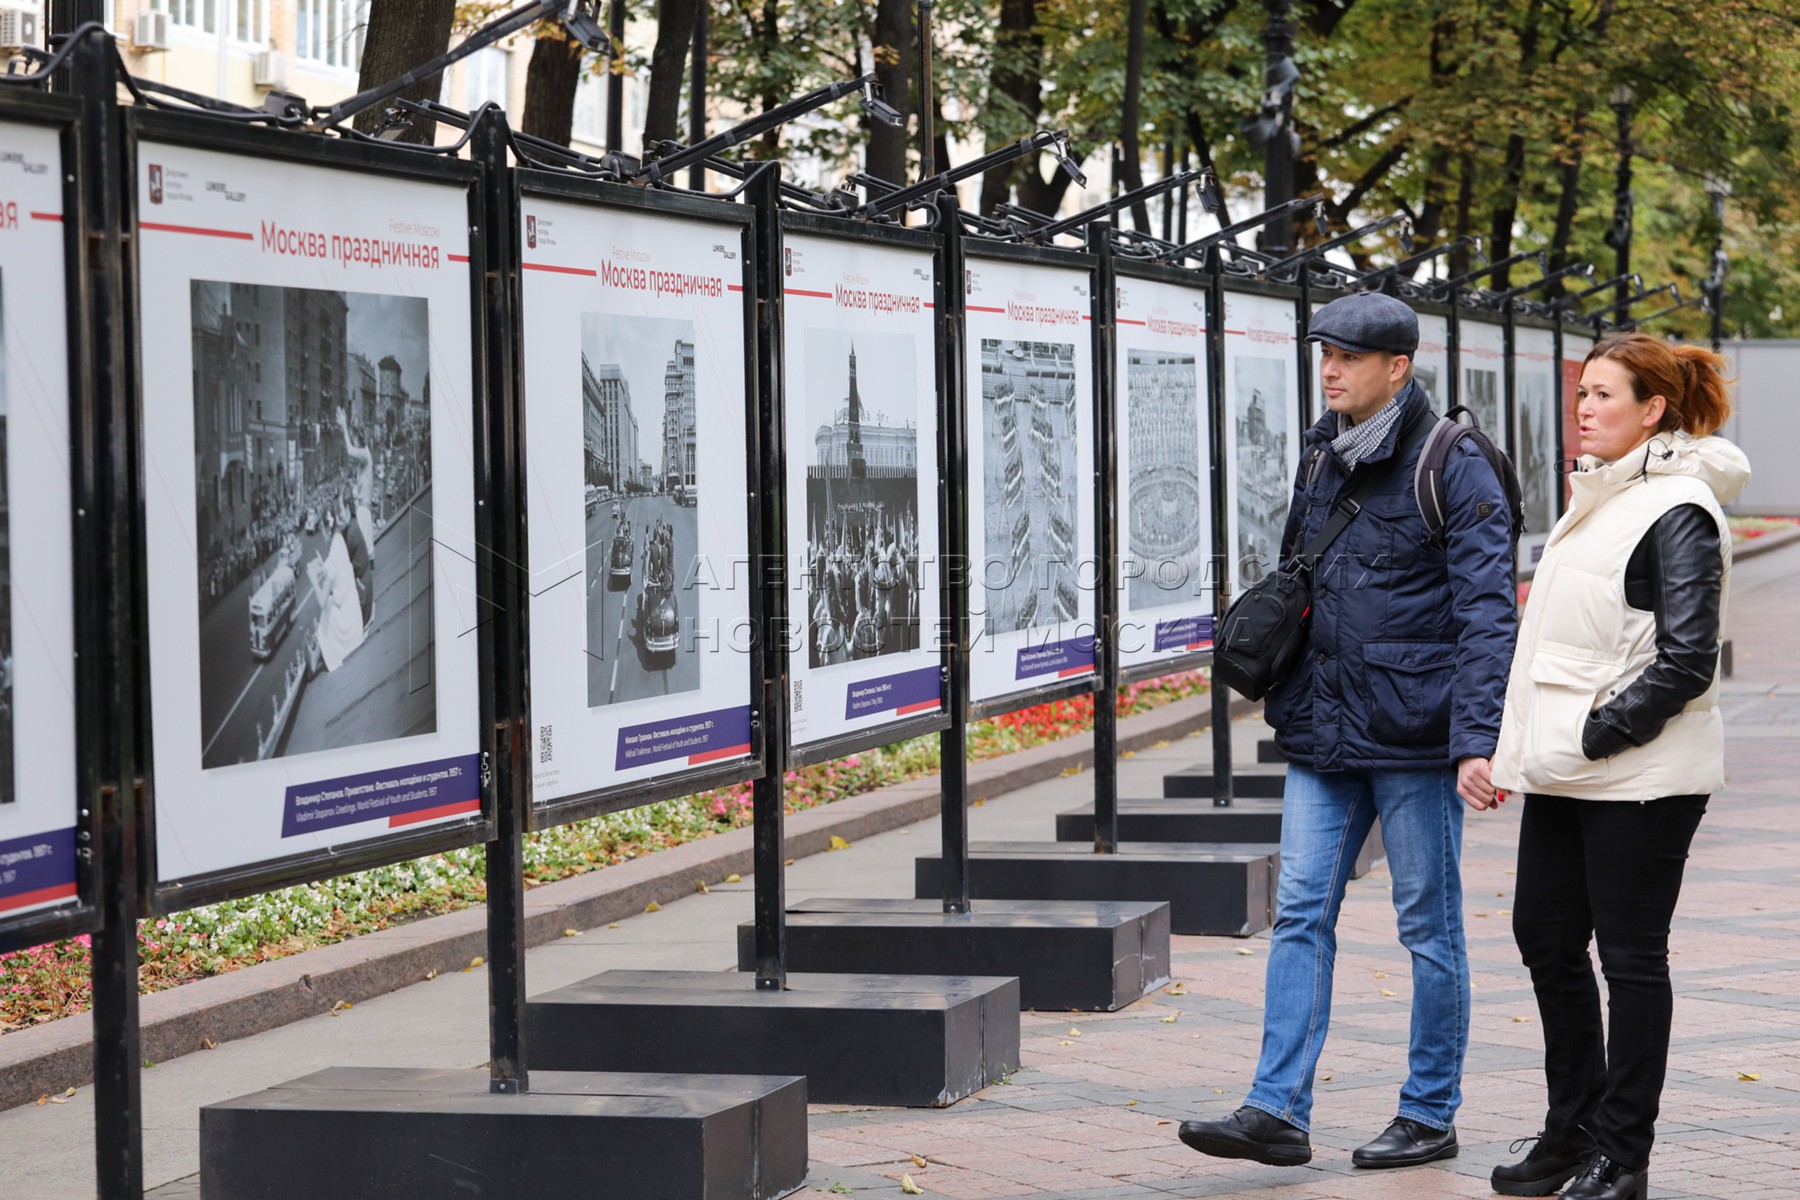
<point x="1428" y="478"/>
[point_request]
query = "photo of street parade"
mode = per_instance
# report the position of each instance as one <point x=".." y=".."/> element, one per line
<point x="312" y="473"/>
<point x="641" y="492"/>
<point x="1261" y="411"/>
<point x="861" y="572"/>
<point x="1029" y="431"/>
<point x="1162" y="525"/>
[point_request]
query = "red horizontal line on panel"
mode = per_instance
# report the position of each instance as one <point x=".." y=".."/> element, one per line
<point x="983" y="308"/>
<point x="37" y="216"/>
<point x="559" y="270"/>
<point x="61" y="891"/>
<point x="734" y="287"/>
<point x="929" y="304"/>
<point x="714" y="755"/>
<point x="1082" y="670"/>
<point x="1236" y="332"/>
<point x="804" y="292"/>
<point x="195" y="229"/>
<point x="461" y="258"/>
<point x="1129" y="321"/>
<point x="432" y="814"/>
<point x="921" y="706"/>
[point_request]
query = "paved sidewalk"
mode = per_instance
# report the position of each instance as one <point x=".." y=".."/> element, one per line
<point x="1082" y="1119"/>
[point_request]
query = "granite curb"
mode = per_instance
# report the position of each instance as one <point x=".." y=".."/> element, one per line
<point x="51" y="1057"/>
<point x="1751" y="547"/>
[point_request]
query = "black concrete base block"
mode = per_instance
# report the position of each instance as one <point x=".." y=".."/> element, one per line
<point x="1266" y="751"/>
<point x="1165" y="820"/>
<point x="1092" y="955"/>
<point x="360" y="1133"/>
<point x="1211" y="889"/>
<point x="1255" y="781"/>
<point x="908" y="1040"/>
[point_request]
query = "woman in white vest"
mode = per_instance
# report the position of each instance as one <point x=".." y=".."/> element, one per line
<point x="1612" y="733"/>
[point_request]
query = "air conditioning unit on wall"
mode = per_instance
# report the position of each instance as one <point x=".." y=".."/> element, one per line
<point x="272" y="70"/>
<point x="150" y="31"/>
<point x="18" y="27"/>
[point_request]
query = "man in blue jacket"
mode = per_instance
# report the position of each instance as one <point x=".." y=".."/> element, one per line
<point x="1393" y="713"/>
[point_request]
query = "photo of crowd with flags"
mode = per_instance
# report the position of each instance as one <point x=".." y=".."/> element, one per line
<point x="861" y="569"/>
<point x="312" y="437"/>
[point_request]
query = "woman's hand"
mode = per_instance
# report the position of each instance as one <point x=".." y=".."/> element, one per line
<point x="1475" y="784"/>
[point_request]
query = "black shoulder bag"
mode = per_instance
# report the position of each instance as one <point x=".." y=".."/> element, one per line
<point x="1265" y="629"/>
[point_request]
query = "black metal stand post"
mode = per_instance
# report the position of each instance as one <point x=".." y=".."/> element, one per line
<point x="118" y="1113"/>
<point x="1279" y="76"/>
<point x="697" y="95"/>
<point x="1453" y="348"/>
<point x="927" y="96"/>
<point x="763" y="193"/>
<point x="506" y="769"/>
<point x="1106" y="536"/>
<point x="1224" y="571"/>
<point x="1509" y="382"/>
<point x="615" y="80"/>
<point x="958" y="575"/>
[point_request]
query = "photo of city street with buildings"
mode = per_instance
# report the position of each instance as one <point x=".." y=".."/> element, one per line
<point x="1261" y="411"/>
<point x="1029" y="485"/>
<point x="640" y="499"/>
<point x="1163" y="533"/>
<point x="1481" y="395"/>
<point x="312" y="474"/>
<point x="862" y="495"/>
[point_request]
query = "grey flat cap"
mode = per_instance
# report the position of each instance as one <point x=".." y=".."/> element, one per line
<point x="1367" y="322"/>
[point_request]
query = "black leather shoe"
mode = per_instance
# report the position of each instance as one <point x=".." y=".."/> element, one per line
<point x="1603" y="1179"/>
<point x="1406" y="1143"/>
<point x="1250" y="1133"/>
<point x="1552" y="1162"/>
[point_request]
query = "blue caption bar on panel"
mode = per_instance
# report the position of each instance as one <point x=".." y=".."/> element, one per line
<point x="699" y="738"/>
<point x="1187" y="633"/>
<point x="912" y="691"/>
<point x="404" y="795"/>
<point x="37" y="868"/>
<point x="1072" y="656"/>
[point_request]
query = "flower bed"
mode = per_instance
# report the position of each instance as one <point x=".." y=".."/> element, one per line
<point x="50" y="981"/>
<point x="1744" y="529"/>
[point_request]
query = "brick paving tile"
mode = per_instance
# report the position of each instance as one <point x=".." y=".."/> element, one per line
<point x="1065" y="1127"/>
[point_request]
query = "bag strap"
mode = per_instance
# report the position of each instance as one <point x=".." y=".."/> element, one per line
<point x="1347" y="507"/>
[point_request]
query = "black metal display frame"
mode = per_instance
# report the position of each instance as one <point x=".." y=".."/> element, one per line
<point x="1467" y="316"/>
<point x="928" y="245"/>
<point x="1191" y="280"/>
<point x="65" y="115"/>
<point x="1515" y="322"/>
<point x="366" y="159"/>
<point x="735" y="221"/>
<point x="1071" y="261"/>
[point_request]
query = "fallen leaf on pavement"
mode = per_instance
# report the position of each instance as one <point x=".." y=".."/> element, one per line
<point x="571" y="933"/>
<point x="1245" y="950"/>
<point x="734" y="879"/>
<point x="1165" y="1122"/>
<point x="653" y="906"/>
<point x="1177" y="989"/>
<point x="700" y="886"/>
<point x="909" y="1187"/>
<point x="1074" y="1032"/>
<point x="476" y="962"/>
<point x="1521" y="1020"/>
<point x="1170" y="1019"/>
<point x="1746" y="1076"/>
<point x="917" y="1161"/>
<point x="1386" y="992"/>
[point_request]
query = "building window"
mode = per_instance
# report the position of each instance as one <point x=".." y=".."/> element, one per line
<point x="330" y="31"/>
<point x="486" y="76"/>
<point x="590" y="106"/>
<point x="248" y="19"/>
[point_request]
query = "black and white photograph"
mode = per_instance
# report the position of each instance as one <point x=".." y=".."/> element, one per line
<point x="1264" y="482"/>
<point x="1536" y="448"/>
<point x="312" y="467"/>
<point x="1481" y="395"/>
<point x="640" y="501"/>
<point x="1029" y="433"/>
<point x="862" y="568"/>
<point x="1427" y="378"/>
<point x="8" y="790"/>
<point x="1163" y="506"/>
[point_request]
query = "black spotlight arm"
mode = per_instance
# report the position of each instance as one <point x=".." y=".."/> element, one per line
<point x="1440" y="290"/>
<point x="1343" y="239"/>
<point x="1630" y="279"/>
<point x="1583" y="270"/>
<point x="664" y="166"/>
<point x="1118" y="203"/>
<point x="1201" y="245"/>
<point x="1405" y="266"/>
<point x="1044" y="139"/>
<point x="1623" y="307"/>
<point x="1701" y="302"/>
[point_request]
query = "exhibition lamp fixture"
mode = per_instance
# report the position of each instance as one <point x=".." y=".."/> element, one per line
<point x="1400" y="273"/>
<point x="1573" y="300"/>
<point x="1702" y="302"/>
<point x="1044" y="234"/>
<point x="1617" y="313"/>
<point x="1230" y="232"/>
<point x="1580" y="270"/>
<point x="1282" y="267"/>
<point x="671" y="157"/>
<point x="1439" y="291"/>
<point x="1054" y="140"/>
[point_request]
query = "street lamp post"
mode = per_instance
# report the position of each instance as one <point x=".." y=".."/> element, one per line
<point x="1720" y="191"/>
<point x="1619" y="236"/>
<point x="1274" y="125"/>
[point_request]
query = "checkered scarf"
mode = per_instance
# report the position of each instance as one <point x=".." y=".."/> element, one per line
<point x="1354" y="442"/>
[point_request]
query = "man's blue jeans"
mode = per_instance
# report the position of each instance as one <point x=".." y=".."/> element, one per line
<point x="1325" y="818"/>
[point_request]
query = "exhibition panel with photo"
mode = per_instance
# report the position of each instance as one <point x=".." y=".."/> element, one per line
<point x="635" y="368"/>
<point x="1029" y="366"/>
<point x="862" y="512"/>
<point x="1481" y="352"/>
<point x="1166" y="591"/>
<point x="1431" y="362"/>
<point x="1261" y="392"/>
<point x="38" y="787"/>
<point x="1534" y="436"/>
<point x="308" y="431"/>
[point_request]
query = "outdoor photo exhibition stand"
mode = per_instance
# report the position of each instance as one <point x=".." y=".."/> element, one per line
<point x="849" y="374"/>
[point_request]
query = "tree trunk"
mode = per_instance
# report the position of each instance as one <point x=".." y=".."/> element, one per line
<point x="1203" y="151"/>
<point x="770" y="34"/>
<point x="550" y="85"/>
<point x="893" y="71"/>
<point x="675" y="20"/>
<point x="1569" y="174"/>
<point x="1506" y="209"/>
<point x="1018" y="75"/>
<point x="402" y="35"/>
<point x="1460" y="258"/>
<point x="1130" y="153"/>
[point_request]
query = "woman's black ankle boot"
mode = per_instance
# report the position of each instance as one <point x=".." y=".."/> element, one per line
<point x="1603" y="1179"/>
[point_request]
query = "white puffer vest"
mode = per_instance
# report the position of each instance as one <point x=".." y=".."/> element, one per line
<point x="1580" y="644"/>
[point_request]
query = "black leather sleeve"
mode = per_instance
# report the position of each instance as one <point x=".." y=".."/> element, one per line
<point x="1675" y="572"/>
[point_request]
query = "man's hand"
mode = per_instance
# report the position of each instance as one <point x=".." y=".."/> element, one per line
<point x="1475" y="784"/>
